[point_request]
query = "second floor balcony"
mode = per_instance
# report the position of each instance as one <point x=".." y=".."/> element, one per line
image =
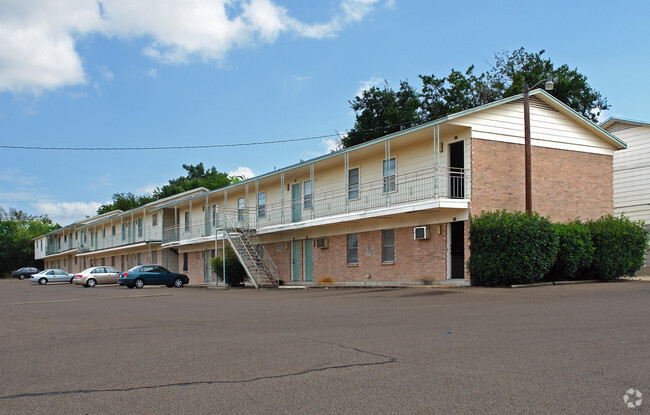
<point x="301" y="209"/>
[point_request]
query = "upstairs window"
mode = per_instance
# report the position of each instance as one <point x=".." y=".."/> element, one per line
<point x="140" y="228"/>
<point x="240" y="209"/>
<point x="307" y="187"/>
<point x="187" y="221"/>
<point x="215" y="215"/>
<point x="261" y="204"/>
<point x="353" y="183"/>
<point x="154" y="219"/>
<point x="390" y="184"/>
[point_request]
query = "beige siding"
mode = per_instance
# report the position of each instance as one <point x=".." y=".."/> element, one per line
<point x="549" y="128"/>
<point x="632" y="172"/>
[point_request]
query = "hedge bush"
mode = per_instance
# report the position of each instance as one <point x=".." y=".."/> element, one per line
<point x="235" y="272"/>
<point x="576" y="251"/>
<point x="620" y="247"/>
<point x="510" y="248"/>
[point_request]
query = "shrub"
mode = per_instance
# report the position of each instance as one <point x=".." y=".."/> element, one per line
<point x="235" y="272"/>
<point x="576" y="250"/>
<point x="510" y="248"/>
<point x="620" y="247"/>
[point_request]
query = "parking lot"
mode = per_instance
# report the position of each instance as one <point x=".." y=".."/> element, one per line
<point x="552" y="349"/>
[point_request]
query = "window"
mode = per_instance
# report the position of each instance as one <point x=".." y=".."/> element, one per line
<point x="261" y="204"/>
<point x="65" y="262"/>
<point x="75" y="260"/>
<point x="113" y="230"/>
<point x="139" y="258"/>
<point x="123" y="232"/>
<point x="215" y="215"/>
<point x="353" y="183"/>
<point x="240" y="209"/>
<point x="187" y="221"/>
<point x="388" y="245"/>
<point x="154" y="257"/>
<point x="154" y="219"/>
<point x="112" y="261"/>
<point x="103" y="233"/>
<point x="307" y="192"/>
<point x="353" y="248"/>
<point x="76" y="235"/>
<point x="184" y="261"/>
<point x="140" y="228"/>
<point x="65" y="238"/>
<point x="390" y="184"/>
<point x="41" y="244"/>
<point x="103" y="261"/>
<point x="91" y="238"/>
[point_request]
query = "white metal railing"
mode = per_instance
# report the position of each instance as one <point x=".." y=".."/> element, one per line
<point x="404" y="188"/>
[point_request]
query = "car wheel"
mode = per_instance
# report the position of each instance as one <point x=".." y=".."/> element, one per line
<point x="178" y="283"/>
<point x="21" y="277"/>
<point x="139" y="283"/>
<point x="42" y="281"/>
<point x="91" y="283"/>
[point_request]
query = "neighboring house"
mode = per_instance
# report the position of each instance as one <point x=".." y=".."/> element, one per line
<point x="394" y="210"/>
<point x="632" y="171"/>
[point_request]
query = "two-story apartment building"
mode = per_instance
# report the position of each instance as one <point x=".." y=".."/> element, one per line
<point x="632" y="171"/>
<point x="391" y="211"/>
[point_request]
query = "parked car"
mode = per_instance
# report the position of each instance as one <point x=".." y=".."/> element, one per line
<point x="96" y="275"/>
<point x="24" y="272"/>
<point x="51" y="275"/>
<point x="143" y="275"/>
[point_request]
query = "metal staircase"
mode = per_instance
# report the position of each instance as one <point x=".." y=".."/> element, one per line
<point x="258" y="264"/>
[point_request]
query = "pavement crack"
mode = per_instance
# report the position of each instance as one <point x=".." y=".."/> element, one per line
<point x="388" y="360"/>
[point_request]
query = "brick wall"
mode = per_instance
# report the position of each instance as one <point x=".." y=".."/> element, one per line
<point x="415" y="261"/>
<point x="566" y="184"/>
<point x="195" y="266"/>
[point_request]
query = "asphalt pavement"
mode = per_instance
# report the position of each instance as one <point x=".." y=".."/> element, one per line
<point x="572" y="349"/>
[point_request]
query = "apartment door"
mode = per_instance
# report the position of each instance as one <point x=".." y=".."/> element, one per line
<point x="307" y="261"/>
<point x="206" y="275"/>
<point x="295" y="202"/>
<point x="457" y="170"/>
<point x="295" y="260"/>
<point x="457" y="249"/>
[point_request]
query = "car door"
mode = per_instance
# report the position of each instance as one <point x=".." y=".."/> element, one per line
<point x="60" y="276"/>
<point x="110" y="275"/>
<point x="147" y="275"/>
<point x="99" y="274"/>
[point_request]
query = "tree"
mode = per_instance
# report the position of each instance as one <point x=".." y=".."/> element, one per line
<point x="17" y="231"/>
<point x="235" y="272"/>
<point x="196" y="177"/>
<point x="383" y="111"/>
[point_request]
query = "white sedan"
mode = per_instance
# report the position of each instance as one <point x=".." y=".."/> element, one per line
<point x="51" y="275"/>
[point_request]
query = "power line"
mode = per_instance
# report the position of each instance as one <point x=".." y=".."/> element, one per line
<point x="190" y="147"/>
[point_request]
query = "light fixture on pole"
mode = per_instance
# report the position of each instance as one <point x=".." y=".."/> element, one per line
<point x="548" y="85"/>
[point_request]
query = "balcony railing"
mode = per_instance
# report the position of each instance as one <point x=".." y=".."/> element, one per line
<point x="132" y="234"/>
<point x="447" y="183"/>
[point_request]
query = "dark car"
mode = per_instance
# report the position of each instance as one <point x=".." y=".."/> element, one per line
<point x="24" y="272"/>
<point x="143" y="275"/>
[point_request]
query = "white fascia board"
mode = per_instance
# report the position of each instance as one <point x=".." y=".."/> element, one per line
<point x="119" y="248"/>
<point x="192" y="241"/>
<point x="367" y="214"/>
<point x="60" y="253"/>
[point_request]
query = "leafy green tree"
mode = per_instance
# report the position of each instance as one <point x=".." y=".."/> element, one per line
<point x="197" y="176"/>
<point x="17" y="231"/>
<point x="383" y="111"/>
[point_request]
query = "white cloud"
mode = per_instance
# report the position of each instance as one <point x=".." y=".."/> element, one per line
<point x="38" y="37"/>
<point x="147" y="188"/>
<point x="17" y="176"/>
<point x="331" y="145"/>
<point x="368" y="84"/>
<point x="65" y="213"/>
<point x="106" y="73"/>
<point x="153" y="73"/>
<point x="246" y="172"/>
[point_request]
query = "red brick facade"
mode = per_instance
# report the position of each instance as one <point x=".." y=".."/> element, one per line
<point x="566" y="184"/>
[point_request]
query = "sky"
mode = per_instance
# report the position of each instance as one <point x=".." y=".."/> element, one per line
<point x="155" y="73"/>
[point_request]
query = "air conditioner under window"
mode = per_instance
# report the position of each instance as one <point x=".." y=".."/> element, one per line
<point x="322" y="243"/>
<point x="421" y="232"/>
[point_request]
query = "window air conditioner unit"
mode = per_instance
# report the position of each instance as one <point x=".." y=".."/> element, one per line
<point x="421" y="232"/>
<point x="322" y="243"/>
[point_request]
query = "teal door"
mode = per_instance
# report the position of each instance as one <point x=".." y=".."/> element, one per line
<point x="307" y="261"/>
<point x="295" y="260"/>
<point x="295" y="202"/>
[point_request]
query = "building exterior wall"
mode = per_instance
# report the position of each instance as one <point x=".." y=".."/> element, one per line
<point x="566" y="184"/>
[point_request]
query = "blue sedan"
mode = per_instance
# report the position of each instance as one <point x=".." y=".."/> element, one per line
<point x="143" y="275"/>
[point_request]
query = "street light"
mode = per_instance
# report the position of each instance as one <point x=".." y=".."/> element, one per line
<point x="548" y="85"/>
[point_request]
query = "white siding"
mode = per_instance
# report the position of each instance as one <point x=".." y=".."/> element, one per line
<point x="632" y="171"/>
<point x="548" y="127"/>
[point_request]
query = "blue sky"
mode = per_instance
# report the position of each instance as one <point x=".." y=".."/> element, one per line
<point x="126" y="73"/>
